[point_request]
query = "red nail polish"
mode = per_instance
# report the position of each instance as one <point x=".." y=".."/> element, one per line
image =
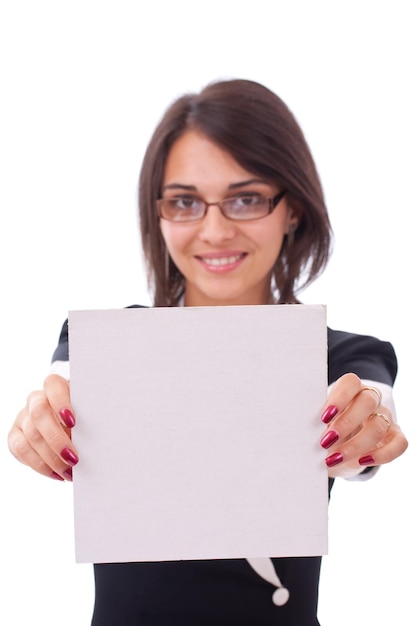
<point x="56" y="476"/>
<point x="329" y="414"/>
<point x="67" y="417"/>
<point x="68" y="473"/>
<point x="334" y="459"/>
<point x="367" y="460"/>
<point x="69" y="456"/>
<point x="329" y="439"/>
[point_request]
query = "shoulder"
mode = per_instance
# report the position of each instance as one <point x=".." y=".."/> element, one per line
<point x="368" y="357"/>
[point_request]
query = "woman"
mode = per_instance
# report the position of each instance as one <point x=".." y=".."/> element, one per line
<point x="231" y="213"/>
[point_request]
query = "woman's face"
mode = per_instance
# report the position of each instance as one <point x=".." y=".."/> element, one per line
<point x="224" y="262"/>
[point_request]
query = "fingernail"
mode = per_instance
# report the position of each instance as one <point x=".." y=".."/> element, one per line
<point x="69" y="456"/>
<point x="67" y="417"/>
<point x="329" y="439"/>
<point x="56" y="476"/>
<point x="68" y="473"/>
<point x="334" y="459"/>
<point x="329" y="414"/>
<point x="367" y="460"/>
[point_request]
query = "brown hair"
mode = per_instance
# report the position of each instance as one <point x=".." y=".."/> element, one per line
<point x="256" y="127"/>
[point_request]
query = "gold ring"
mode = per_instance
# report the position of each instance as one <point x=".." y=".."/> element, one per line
<point x="374" y="389"/>
<point x="384" y="417"/>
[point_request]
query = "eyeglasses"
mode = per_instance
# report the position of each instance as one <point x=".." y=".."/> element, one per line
<point x="245" y="206"/>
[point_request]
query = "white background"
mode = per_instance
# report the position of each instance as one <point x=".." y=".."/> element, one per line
<point x="82" y="86"/>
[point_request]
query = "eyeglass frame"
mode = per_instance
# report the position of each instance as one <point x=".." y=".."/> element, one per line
<point x="272" y="200"/>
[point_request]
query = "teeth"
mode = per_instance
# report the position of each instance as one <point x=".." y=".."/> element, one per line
<point x="223" y="260"/>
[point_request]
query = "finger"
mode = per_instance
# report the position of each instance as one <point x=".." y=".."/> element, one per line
<point x="23" y="452"/>
<point x="369" y="436"/>
<point x="40" y="437"/>
<point x="391" y="446"/>
<point x="21" y="448"/>
<point x="340" y="396"/>
<point x="374" y="390"/>
<point x="350" y="420"/>
<point x="57" y="391"/>
<point x="46" y="435"/>
<point x="345" y="390"/>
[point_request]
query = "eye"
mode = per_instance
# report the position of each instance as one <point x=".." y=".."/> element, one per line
<point x="185" y="203"/>
<point x="246" y="200"/>
<point x="245" y="203"/>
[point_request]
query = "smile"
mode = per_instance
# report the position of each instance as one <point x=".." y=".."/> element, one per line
<point x="227" y="260"/>
<point x="221" y="264"/>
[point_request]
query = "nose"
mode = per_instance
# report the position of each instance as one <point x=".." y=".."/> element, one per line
<point x="215" y="227"/>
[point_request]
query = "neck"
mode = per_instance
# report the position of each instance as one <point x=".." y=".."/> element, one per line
<point x="201" y="299"/>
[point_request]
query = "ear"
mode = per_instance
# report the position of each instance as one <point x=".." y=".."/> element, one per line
<point x="294" y="214"/>
<point x="292" y="221"/>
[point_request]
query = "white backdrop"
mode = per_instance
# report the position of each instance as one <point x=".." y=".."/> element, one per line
<point x="83" y="85"/>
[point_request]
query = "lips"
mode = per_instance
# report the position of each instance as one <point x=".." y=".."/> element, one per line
<point x="226" y="260"/>
<point x="221" y="261"/>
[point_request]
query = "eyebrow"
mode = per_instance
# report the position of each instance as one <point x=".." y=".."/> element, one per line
<point x="242" y="183"/>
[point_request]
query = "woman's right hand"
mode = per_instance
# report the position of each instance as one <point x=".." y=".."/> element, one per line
<point x="41" y="434"/>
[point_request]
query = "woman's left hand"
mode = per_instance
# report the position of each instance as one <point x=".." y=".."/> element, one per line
<point x="360" y="430"/>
